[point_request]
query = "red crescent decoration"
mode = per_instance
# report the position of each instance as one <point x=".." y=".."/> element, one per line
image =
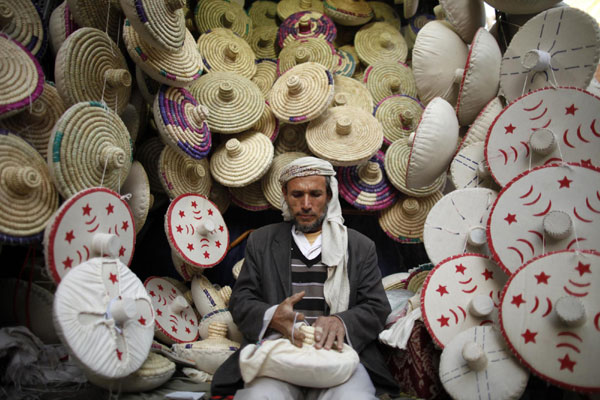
<point x="545" y="126"/>
<point x="549" y="308"/>
<point x="518" y="252"/>
<point x="567" y="140"/>
<point x="579" y="216"/>
<point x="569" y="346"/>
<point x="575" y="241"/>
<point x="579" y="135"/>
<point x="546" y="211"/>
<point x="94" y="229"/>
<point x="87" y="252"/>
<point x="528" y="193"/>
<point x="505" y="156"/>
<point x="486" y="322"/>
<point x="187" y="229"/>
<point x="598" y="194"/>
<point x="592" y="125"/>
<point x="463" y="311"/>
<point x="535" y="107"/>
<point x="79" y="254"/>
<point x="204" y="239"/>
<point x="553" y="160"/>
<point x="537" y="303"/>
<point x="527" y="242"/>
<point x="117" y="230"/>
<point x="471" y="290"/>
<point x="526" y="148"/>
<point x="587" y="203"/>
<point x="596" y="321"/>
<point x="91" y="221"/>
<point x="575" y="294"/>
<point x="197" y="218"/>
<point x="534" y="201"/>
<point x="455" y="316"/>
<point x="579" y="284"/>
<point x="538" y="234"/>
<point x="539" y="116"/>
<point x="515" y="152"/>
<point x="572" y="334"/>
<point x="193" y="230"/>
<point x="197" y="212"/>
<point x="465" y="282"/>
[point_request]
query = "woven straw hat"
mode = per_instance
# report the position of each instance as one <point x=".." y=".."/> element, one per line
<point x="263" y="42"/>
<point x="347" y="64"/>
<point x="366" y="186"/>
<point x="522" y="7"/>
<point x="268" y="124"/>
<point x="138" y="186"/>
<point x="237" y="268"/>
<point x="386" y="78"/>
<point x="291" y="138"/>
<point x="105" y="15"/>
<point x="161" y="24"/>
<point x="174" y="68"/>
<point x="148" y="153"/>
<point x="131" y="119"/>
<point x="24" y="79"/>
<point x="90" y="146"/>
<point x="479" y="128"/>
<point x="403" y="222"/>
<point x="266" y="75"/>
<point x="345" y="136"/>
<point x="350" y="92"/>
<point x="305" y="24"/>
<point x="380" y="41"/>
<point x="220" y="196"/>
<point x="148" y="86"/>
<point x="416" y="278"/>
<point x="383" y="12"/>
<point x="60" y="26"/>
<point x="185" y="270"/>
<point x="410" y="7"/>
<point x="249" y="197"/>
<point x="270" y="181"/>
<point x="465" y="16"/>
<point x="263" y="13"/>
<point x="399" y="114"/>
<point x="181" y="174"/>
<point x="316" y="50"/>
<point x="223" y="50"/>
<point x="211" y="14"/>
<point x="348" y="12"/>
<point x="234" y="103"/>
<point x="302" y="93"/>
<point x="28" y="197"/>
<point x="22" y="21"/>
<point x="242" y="160"/>
<point x="469" y="168"/>
<point x="285" y="8"/>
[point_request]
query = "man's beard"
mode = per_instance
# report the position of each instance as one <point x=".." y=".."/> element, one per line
<point x="312" y="227"/>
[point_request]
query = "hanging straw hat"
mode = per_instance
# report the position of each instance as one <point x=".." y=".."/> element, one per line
<point x="211" y="14"/>
<point x="316" y="50"/>
<point x="345" y="136"/>
<point x="176" y="68"/>
<point x="105" y="15"/>
<point x="138" y="186"/>
<point x="285" y="8"/>
<point x="416" y="279"/>
<point x="223" y="50"/>
<point x="469" y="168"/>
<point x="350" y="92"/>
<point x="347" y="64"/>
<point x="263" y="13"/>
<point x="380" y="41"/>
<point x="249" y="197"/>
<point x="386" y="78"/>
<point x="399" y="115"/>
<point x="366" y="186"/>
<point x="242" y="160"/>
<point x="148" y="153"/>
<point x="24" y="79"/>
<point x="185" y="270"/>
<point x="403" y="222"/>
<point x="302" y="93"/>
<point x="383" y="12"/>
<point x="220" y="196"/>
<point x="266" y="75"/>
<point x="263" y="42"/>
<point x="28" y="197"/>
<point x="522" y="7"/>
<point x="268" y="124"/>
<point x="291" y="138"/>
<point x="270" y="181"/>
<point x="466" y="17"/>
<point x="23" y="22"/>
<point x="181" y="174"/>
<point x="60" y="26"/>
<point x="90" y="146"/>
<point x="479" y="128"/>
<point x="565" y="286"/>
<point x="305" y="24"/>
<point x="348" y="12"/>
<point x="234" y="102"/>
<point x="410" y="8"/>
<point x="148" y="86"/>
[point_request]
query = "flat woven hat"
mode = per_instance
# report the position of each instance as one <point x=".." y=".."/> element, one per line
<point x="479" y="128"/>
<point x="347" y="64"/>
<point x="305" y="24"/>
<point x="148" y="153"/>
<point x="345" y="136"/>
<point x="234" y="102"/>
<point x="266" y="75"/>
<point x="350" y="92"/>
<point x="270" y="181"/>
<point x="174" y="68"/>
<point x="383" y="12"/>
<point x="219" y="195"/>
<point x="549" y="318"/>
<point x="211" y="14"/>
<point x="302" y="51"/>
<point x="249" y="197"/>
<point x="60" y="26"/>
<point x="28" y="197"/>
<point x="386" y="78"/>
<point x="366" y="186"/>
<point x="138" y="186"/>
<point x="105" y="15"/>
<point x="268" y="124"/>
<point x="90" y="146"/>
<point x="263" y="13"/>
<point x="522" y="7"/>
<point x="302" y="93"/>
<point x="180" y="174"/>
<point x="546" y="126"/>
<point x="469" y="169"/>
<point x="223" y="50"/>
<point x="380" y="41"/>
<point x="147" y="86"/>
<point x="285" y="8"/>
<point x="403" y="222"/>
<point x="22" y="21"/>
<point x="399" y="115"/>
<point x="291" y="138"/>
<point x="263" y="42"/>
<point x="467" y="17"/>
<point x="348" y="12"/>
<point x="242" y="160"/>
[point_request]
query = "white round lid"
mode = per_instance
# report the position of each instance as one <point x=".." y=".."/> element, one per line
<point x="469" y="168"/>
<point x="138" y="186"/>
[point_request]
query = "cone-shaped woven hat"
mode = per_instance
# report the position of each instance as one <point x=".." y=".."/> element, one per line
<point x="291" y="138"/>
<point x="386" y="78"/>
<point x="223" y="50"/>
<point x="268" y="124"/>
<point x="403" y="222"/>
<point x="350" y="92"/>
<point x="266" y="75"/>
<point x="100" y="14"/>
<point x="348" y="12"/>
<point x="306" y="50"/>
<point x="22" y="21"/>
<point x="380" y="41"/>
<point x="138" y="186"/>
<point x="383" y="12"/>
<point x="211" y="14"/>
<point x="270" y="181"/>
<point x="263" y="13"/>
<point x="285" y="8"/>
<point x="249" y="197"/>
<point x="399" y="114"/>
<point x="305" y="24"/>
<point x="181" y="174"/>
<point x="60" y="26"/>
<point x="263" y="42"/>
<point x="347" y="64"/>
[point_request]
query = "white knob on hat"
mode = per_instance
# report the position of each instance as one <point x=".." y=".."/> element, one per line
<point x="570" y="311"/>
<point x="557" y="224"/>
<point x="105" y="244"/>
<point x="476" y="236"/>
<point x="483" y="169"/>
<point x="179" y="304"/>
<point x="481" y="306"/>
<point x="205" y="227"/>
<point x="536" y="60"/>
<point x="542" y="141"/>
<point x="475" y="357"/>
<point x="123" y="309"/>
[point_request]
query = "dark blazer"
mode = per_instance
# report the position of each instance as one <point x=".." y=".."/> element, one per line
<point x="265" y="280"/>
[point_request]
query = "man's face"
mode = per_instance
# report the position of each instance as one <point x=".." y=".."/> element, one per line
<point x="307" y="199"/>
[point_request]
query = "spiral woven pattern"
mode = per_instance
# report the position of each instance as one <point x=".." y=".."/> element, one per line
<point x="100" y="14"/>
<point x="179" y="68"/>
<point x="263" y="42"/>
<point x="263" y="13"/>
<point x="242" y="160"/>
<point x="223" y="50"/>
<point x="211" y="14"/>
<point x="148" y="153"/>
<point x="234" y="103"/>
<point x="315" y="50"/>
<point x="60" y="26"/>
<point x="292" y="138"/>
<point x="21" y="21"/>
<point x="399" y="114"/>
<point x="180" y="174"/>
<point x="348" y="12"/>
<point x="302" y="93"/>
<point x="268" y="124"/>
<point x="285" y="8"/>
<point x="86" y="138"/>
<point x="347" y="64"/>
<point x="383" y="12"/>
<point x="249" y="197"/>
<point x="181" y="122"/>
<point x="305" y="24"/>
<point x="27" y="196"/>
<point x="345" y="136"/>
<point x="270" y="182"/>
<point x="148" y="86"/>
<point x="350" y="92"/>
<point x="266" y="75"/>
<point x="404" y="221"/>
<point x="386" y="78"/>
<point x="380" y="41"/>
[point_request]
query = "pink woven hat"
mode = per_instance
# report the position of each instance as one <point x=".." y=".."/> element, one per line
<point x="306" y="24"/>
<point x="549" y="208"/>
<point x="545" y="126"/>
<point x="465" y="16"/>
<point x="478" y="130"/>
<point x="469" y="169"/>
<point x="22" y="21"/>
<point x="549" y="317"/>
<point x="522" y="7"/>
<point x="60" y="26"/>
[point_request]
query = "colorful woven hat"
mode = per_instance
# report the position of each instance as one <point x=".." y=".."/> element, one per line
<point x="138" y="186"/>
<point x="100" y="14"/>
<point x="469" y="169"/>
<point x="234" y="102"/>
<point x="545" y="126"/>
<point x="185" y="270"/>
<point x="90" y="146"/>
<point x="249" y="197"/>
<point x="242" y="160"/>
<point x="348" y="12"/>
<point x="268" y="124"/>
<point x="350" y="92"/>
<point x="383" y="12"/>
<point x="174" y="68"/>
<point x="345" y="136"/>
<point x="403" y="222"/>
<point x="386" y="78"/>
<point x="522" y="7"/>
<point x="181" y="174"/>
<point x="549" y="318"/>
<point x="270" y="181"/>
<point x="148" y="153"/>
<point x="22" y="21"/>
<point x="302" y="93"/>
<point x="263" y="13"/>
<point x="399" y="115"/>
<point x="347" y="64"/>
<point x="291" y="138"/>
<point x="211" y="14"/>
<point x="263" y="42"/>
<point x="553" y="207"/>
<point x="479" y="128"/>
<point x="466" y="17"/>
<point x="380" y="41"/>
<point x="60" y="26"/>
<point x="366" y="186"/>
<point x="285" y="8"/>
<point x="148" y="86"/>
<point x="305" y="24"/>
<point x="223" y="50"/>
<point x="220" y="196"/>
<point x="317" y="50"/>
<point x="266" y="75"/>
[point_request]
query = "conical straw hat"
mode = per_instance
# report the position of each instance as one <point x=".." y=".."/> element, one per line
<point x="28" y="197"/>
<point x="180" y="174"/>
<point x="350" y="92"/>
<point x="479" y="128"/>
<point x="223" y="50"/>
<point x="469" y="169"/>
<point x="263" y="42"/>
<point x="249" y="197"/>
<point x="138" y="186"/>
<point x="302" y="93"/>
<point x="219" y="195"/>
<point x="404" y="221"/>
<point x="270" y="181"/>
<point x="211" y="14"/>
<point x="268" y="124"/>
<point x="263" y="13"/>
<point x="234" y="103"/>
<point x="60" y="26"/>
<point x="242" y="160"/>
<point x="285" y="8"/>
<point x="386" y="78"/>
<point x="348" y="12"/>
<point x="291" y="138"/>
<point x="380" y="41"/>
<point x="105" y="15"/>
<point x="345" y="136"/>
<point x="266" y="75"/>
<point x="148" y="153"/>
<point x="90" y="146"/>
<point x="305" y="24"/>
<point x="399" y="114"/>
<point x="23" y="22"/>
<point x="347" y="64"/>
<point x="383" y="12"/>
<point x="316" y="50"/>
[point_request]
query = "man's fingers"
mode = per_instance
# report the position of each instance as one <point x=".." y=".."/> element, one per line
<point x="299" y="317"/>
<point x="298" y="338"/>
<point x="296" y="297"/>
<point x="330" y="339"/>
<point x="340" y="338"/>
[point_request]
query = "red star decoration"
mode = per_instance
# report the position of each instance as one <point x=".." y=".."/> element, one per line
<point x="487" y="274"/>
<point x="210" y="211"/>
<point x="187" y="330"/>
<point x="587" y="163"/>
<point x="192" y="322"/>
<point x="179" y="229"/>
<point x="113" y="278"/>
<point x="221" y="228"/>
<point x="565" y="183"/>
<point x="87" y="209"/>
<point x="151" y="293"/>
<point x="158" y="312"/>
<point x="69" y="236"/>
<point x="110" y="209"/>
<point x="442" y="290"/>
<point x="571" y="110"/>
<point x="173" y="329"/>
<point x="583" y="268"/>
<point x="529" y="336"/>
<point x="190" y="246"/>
<point x="443" y="321"/>
<point x="119" y="354"/>
<point x="218" y="244"/>
<point x="160" y="288"/>
<point x="510" y="218"/>
<point x="509" y="129"/>
<point x="517" y="300"/>
<point x="542" y="278"/>
<point x="181" y="214"/>
<point x="206" y="254"/>
<point x="194" y="204"/>
<point x="566" y="363"/>
<point x="460" y="268"/>
<point x="68" y="263"/>
<point x="142" y="320"/>
<point x="122" y="251"/>
<point x="125" y="226"/>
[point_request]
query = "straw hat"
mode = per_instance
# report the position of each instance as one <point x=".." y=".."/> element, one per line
<point x="554" y="299"/>
<point x="249" y="197"/>
<point x="285" y="8"/>
<point x="220" y="196"/>
<point x="302" y="93"/>
<point x="148" y="153"/>
<point x="24" y="79"/>
<point x="270" y="181"/>
<point x="266" y="75"/>
<point x="161" y="24"/>
<point x="348" y="12"/>
<point x="211" y="14"/>
<point x="525" y="134"/>
<point x="386" y="78"/>
<point x="380" y="41"/>
<point x="90" y="146"/>
<point x="345" y="136"/>
<point x="302" y="51"/>
<point x="366" y="186"/>
<point x="383" y="12"/>
<point x="394" y="281"/>
<point x="242" y="160"/>
<point x="181" y="174"/>
<point x="263" y="42"/>
<point x="479" y="128"/>
<point x="350" y="92"/>
<point x="237" y="268"/>
<point x="174" y="68"/>
<point x="399" y="115"/>
<point x="549" y="208"/>
<point x="223" y="50"/>
<point x="466" y="17"/>
<point x="185" y="270"/>
<point x="268" y="124"/>
<point x="234" y="102"/>
<point x="60" y="26"/>
<point x="22" y="21"/>
<point x="403" y="222"/>
<point x="28" y="197"/>
<point x="416" y="279"/>
<point x="347" y="64"/>
<point x="105" y="15"/>
<point x="410" y="8"/>
<point x="138" y="186"/>
<point x="522" y="7"/>
<point x="263" y="13"/>
<point x="469" y="168"/>
<point x="291" y="138"/>
<point x="148" y="86"/>
<point x="305" y="24"/>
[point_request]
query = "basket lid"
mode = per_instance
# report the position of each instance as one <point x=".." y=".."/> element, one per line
<point x="399" y="115"/>
<point x="263" y="13"/>
<point x="469" y="168"/>
<point x="22" y="21"/>
<point x="478" y="130"/>
<point x="380" y="41"/>
<point x="105" y="15"/>
<point x="291" y="138"/>
<point x="223" y="50"/>
<point x="60" y="26"/>
<point x="522" y="7"/>
<point x="266" y="75"/>
<point x="138" y="186"/>
<point x="285" y="8"/>
<point x="465" y="16"/>
<point x="347" y="64"/>
<point x="305" y="24"/>
<point x="403" y="222"/>
<point x="302" y="51"/>
<point x="387" y="78"/>
<point x="263" y="42"/>
<point x="383" y="12"/>
<point x="348" y="12"/>
<point x="268" y="124"/>
<point x="351" y="92"/>
<point x="148" y="153"/>
<point x="211" y="14"/>
<point x="181" y="174"/>
<point x="270" y="181"/>
<point x="249" y="197"/>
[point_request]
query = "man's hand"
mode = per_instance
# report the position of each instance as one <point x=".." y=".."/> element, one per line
<point x="328" y="330"/>
<point x="283" y="319"/>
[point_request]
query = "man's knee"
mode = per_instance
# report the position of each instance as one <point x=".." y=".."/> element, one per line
<point x="268" y="389"/>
